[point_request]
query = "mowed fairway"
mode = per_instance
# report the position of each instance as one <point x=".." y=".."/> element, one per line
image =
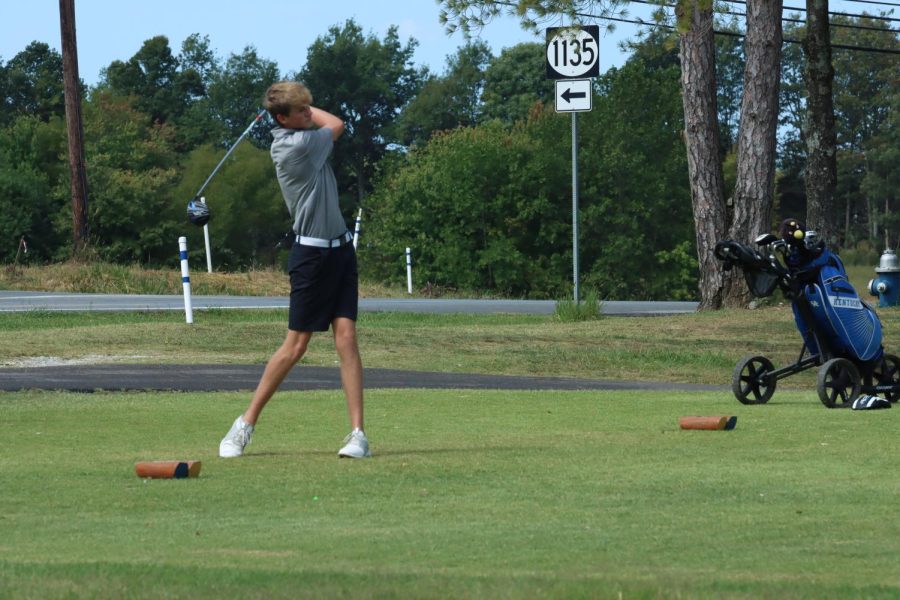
<point x="470" y="494"/>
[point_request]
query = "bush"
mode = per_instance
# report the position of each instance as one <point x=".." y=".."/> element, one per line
<point x="588" y="309"/>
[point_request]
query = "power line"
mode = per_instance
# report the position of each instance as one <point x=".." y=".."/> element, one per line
<point x="836" y="14"/>
<point x="738" y="35"/>
<point x="787" y="19"/>
<point x="793" y="41"/>
<point x="873" y="2"/>
<point x="718" y="32"/>
<point x="830" y="24"/>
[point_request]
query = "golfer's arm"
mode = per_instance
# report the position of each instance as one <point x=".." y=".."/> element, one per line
<point x="326" y="119"/>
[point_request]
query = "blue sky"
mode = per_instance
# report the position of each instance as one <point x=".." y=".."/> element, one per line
<point x="109" y="30"/>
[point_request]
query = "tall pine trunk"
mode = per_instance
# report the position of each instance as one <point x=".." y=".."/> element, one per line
<point x="701" y="136"/>
<point x="821" y="140"/>
<point x="755" y="187"/>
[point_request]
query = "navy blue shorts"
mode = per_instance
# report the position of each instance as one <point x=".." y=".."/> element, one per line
<point x="324" y="286"/>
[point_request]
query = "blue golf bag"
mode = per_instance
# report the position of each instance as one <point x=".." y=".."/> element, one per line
<point x="841" y="334"/>
<point x="847" y="326"/>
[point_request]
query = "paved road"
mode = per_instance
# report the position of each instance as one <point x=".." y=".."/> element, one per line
<point x="26" y="301"/>
<point x="115" y="377"/>
<point x="245" y="377"/>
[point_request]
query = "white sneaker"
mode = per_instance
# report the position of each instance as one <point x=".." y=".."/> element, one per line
<point x="238" y="436"/>
<point x="356" y="445"/>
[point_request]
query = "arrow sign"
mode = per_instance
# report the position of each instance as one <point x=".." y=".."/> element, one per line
<point x="569" y="94"/>
<point x="573" y="95"/>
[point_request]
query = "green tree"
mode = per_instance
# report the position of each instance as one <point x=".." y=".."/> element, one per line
<point x="32" y="84"/>
<point x="198" y="123"/>
<point x="515" y="82"/>
<point x="198" y="57"/>
<point x="865" y="85"/>
<point x="701" y="133"/>
<point x="31" y="178"/>
<point x="248" y="213"/>
<point x="489" y="207"/>
<point x="153" y="77"/>
<point x="458" y="204"/>
<point x="133" y="168"/>
<point x="367" y="82"/>
<point x="729" y="84"/>
<point x="637" y="220"/>
<point x="450" y="100"/>
<point x="235" y="95"/>
<point x="791" y="192"/>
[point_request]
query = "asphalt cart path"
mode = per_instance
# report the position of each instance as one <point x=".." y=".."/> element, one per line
<point x="195" y="378"/>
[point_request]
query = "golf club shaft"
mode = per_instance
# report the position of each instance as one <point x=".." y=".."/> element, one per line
<point x="230" y="150"/>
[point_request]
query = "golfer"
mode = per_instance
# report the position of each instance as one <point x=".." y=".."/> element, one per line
<point x="322" y="264"/>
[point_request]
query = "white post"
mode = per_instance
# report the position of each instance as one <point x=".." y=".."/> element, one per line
<point x="356" y="229"/>
<point x="185" y="280"/>
<point x="206" y="239"/>
<point x="409" y="270"/>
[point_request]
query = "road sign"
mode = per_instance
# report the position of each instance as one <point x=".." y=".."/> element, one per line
<point x="574" y="95"/>
<point x="573" y="52"/>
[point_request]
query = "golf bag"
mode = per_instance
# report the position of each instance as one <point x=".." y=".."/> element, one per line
<point x="847" y="327"/>
<point x="841" y="334"/>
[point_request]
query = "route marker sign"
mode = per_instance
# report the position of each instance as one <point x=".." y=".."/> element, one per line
<point x="574" y="95"/>
<point x="573" y="56"/>
<point x="573" y="52"/>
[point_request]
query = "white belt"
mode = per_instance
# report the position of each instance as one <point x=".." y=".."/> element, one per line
<point x="322" y="243"/>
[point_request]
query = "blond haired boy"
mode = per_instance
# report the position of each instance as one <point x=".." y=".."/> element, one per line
<point x="322" y="264"/>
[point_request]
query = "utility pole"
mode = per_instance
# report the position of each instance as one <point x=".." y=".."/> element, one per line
<point x="72" y="87"/>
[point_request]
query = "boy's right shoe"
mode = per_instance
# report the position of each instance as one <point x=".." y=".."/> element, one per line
<point x="238" y="436"/>
<point x="356" y="445"/>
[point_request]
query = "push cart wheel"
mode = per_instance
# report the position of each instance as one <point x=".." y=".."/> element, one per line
<point x="752" y="381"/>
<point x="888" y="373"/>
<point x="838" y="383"/>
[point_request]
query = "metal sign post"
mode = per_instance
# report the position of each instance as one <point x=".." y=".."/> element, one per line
<point x="575" y="205"/>
<point x="573" y="53"/>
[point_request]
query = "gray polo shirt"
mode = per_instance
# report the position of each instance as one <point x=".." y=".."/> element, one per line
<point x="307" y="181"/>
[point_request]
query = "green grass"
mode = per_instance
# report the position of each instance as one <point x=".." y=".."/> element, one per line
<point x="692" y="348"/>
<point x="97" y="277"/>
<point x="470" y="494"/>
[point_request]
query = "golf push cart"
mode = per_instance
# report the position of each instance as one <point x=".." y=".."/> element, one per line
<point x="841" y="334"/>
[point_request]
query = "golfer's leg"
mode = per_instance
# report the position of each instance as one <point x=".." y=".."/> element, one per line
<point x="292" y="349"/>
<point x="351" y="368"/>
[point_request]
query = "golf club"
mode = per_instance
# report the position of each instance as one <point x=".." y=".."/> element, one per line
<point x="197" y="209"/>
<point x="199" y="215"/>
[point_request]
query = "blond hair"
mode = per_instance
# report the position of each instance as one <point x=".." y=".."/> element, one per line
<point x="282" y="96"/>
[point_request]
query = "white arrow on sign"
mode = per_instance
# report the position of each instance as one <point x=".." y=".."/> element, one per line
<point x="574" y="95"/>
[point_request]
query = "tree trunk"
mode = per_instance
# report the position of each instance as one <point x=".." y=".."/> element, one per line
<point x="821" y="140"/>
<point x="701" y="136"/>
<point x="74" y="126"/>
<point x="847" y="220"/>
<point x="755" y="187"/>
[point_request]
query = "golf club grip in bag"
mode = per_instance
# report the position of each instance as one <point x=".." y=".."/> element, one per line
<point x="761" y="275"/>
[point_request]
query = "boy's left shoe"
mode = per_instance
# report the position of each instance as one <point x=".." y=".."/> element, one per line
<point x="236" y="439"/>
<point x="356" y="445"/>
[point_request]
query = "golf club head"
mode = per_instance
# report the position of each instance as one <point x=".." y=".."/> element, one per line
<point x="198" y="212"/>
